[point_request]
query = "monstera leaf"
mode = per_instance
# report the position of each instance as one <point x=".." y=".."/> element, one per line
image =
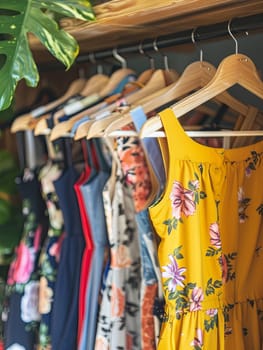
<point x="20" y="17"/>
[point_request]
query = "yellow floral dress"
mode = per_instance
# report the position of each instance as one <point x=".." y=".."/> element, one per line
<point x="210" y="223"/>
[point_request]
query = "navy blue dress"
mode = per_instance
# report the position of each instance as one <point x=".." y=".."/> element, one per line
<point x="64" y="323"/>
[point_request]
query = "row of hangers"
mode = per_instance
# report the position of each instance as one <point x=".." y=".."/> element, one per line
<point x="91" y="109"/>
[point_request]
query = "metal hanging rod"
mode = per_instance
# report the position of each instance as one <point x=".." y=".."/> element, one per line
<point x="220" y="30"/>
<point x="238" y="26"/>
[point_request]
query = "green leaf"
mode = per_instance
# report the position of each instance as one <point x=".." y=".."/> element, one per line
<point x="171" y="296"/>
<point x="196" y="176"/>
<point x="191" y="285"/>
<point x="212" y="251"/>
<point x="62" y="45"/>
<point x="177" y="253"/>
<point x="207" y="325"/>
<point x="202" y="195"/>
<point x="217" y="284"/>
<point x="175" y="222"/>
<point x="76" y="9"/>
<point x="17" y="19"/>
<point x="196" y="198"/>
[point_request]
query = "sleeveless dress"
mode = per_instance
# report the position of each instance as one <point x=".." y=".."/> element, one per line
<point x="209" y="220"/>
<point x="65" y="308"/>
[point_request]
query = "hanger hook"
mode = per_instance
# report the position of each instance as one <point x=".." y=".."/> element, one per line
<point x="93" y="60"/>
<point x="119" y="58"/>
<point x="165" y="57"/>
<point x="195" y="44"/>
<point x="232" y="36"/>
<point x="142" y="52"/>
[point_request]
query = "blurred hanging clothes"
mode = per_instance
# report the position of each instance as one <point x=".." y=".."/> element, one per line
<point x="64" y="321"/>
<point x="119" y="319"/>
<point x="86" y="175"/>
<point x="23" y="279"/>
<point x="93" y="199"/>
<point x="50" y="253"/>
<point x="137" y="176"/>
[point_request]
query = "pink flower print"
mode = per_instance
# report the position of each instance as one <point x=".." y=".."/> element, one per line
<point x="37" y="238"/>
<point x="129" y="341"/>
<point x="196" y="298"/>
<point x="198" y="340"/>
<point x="214" y="235"/>
<point x="212" y="312"/>
<point x="117" y="302"/>
<point x="173" y="272"/>
<point x="182" y="201"/>
<point x="22" y="267"/>
<point x="55" y="249"/>
<point x="240" y="194"/>
<point x="120" y="257"/>
<point x="101" y="343"/>
<point x="10" y="277"/>
<point x="223" y="263"/>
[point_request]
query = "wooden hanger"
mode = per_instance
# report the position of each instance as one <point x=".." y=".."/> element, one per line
<point x="159" y="80"/>
<point x="90" y="93"/>
<point x="234" y="69"/>
<point x="94" y="114"/>
<point x="146" y="78"/>
<point x="156" y="82"/>
<point x="21" y="123"/>
<point x="93" y="86"/>
<point x="195" y="75"/>
<point x="63" y="128"/>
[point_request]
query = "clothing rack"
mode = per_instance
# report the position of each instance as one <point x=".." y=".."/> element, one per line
<point x="238" y="26"/>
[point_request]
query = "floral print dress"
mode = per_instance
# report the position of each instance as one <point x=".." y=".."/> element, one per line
<point x="209" y="220"/>
<point x="23" y="279"/>
<point x="137" y="176"/>
<point x="119" y="318"/>
<point x="50" y="252"/>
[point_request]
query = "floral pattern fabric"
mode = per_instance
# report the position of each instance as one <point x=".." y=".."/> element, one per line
<point x="135" y="170"/>
<point x="137" y="177"/>
<point x="209" y="220"/>
<point x="23" y="278"/>
<point x="119" y="319"/>
<point x="50" y="253"/>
